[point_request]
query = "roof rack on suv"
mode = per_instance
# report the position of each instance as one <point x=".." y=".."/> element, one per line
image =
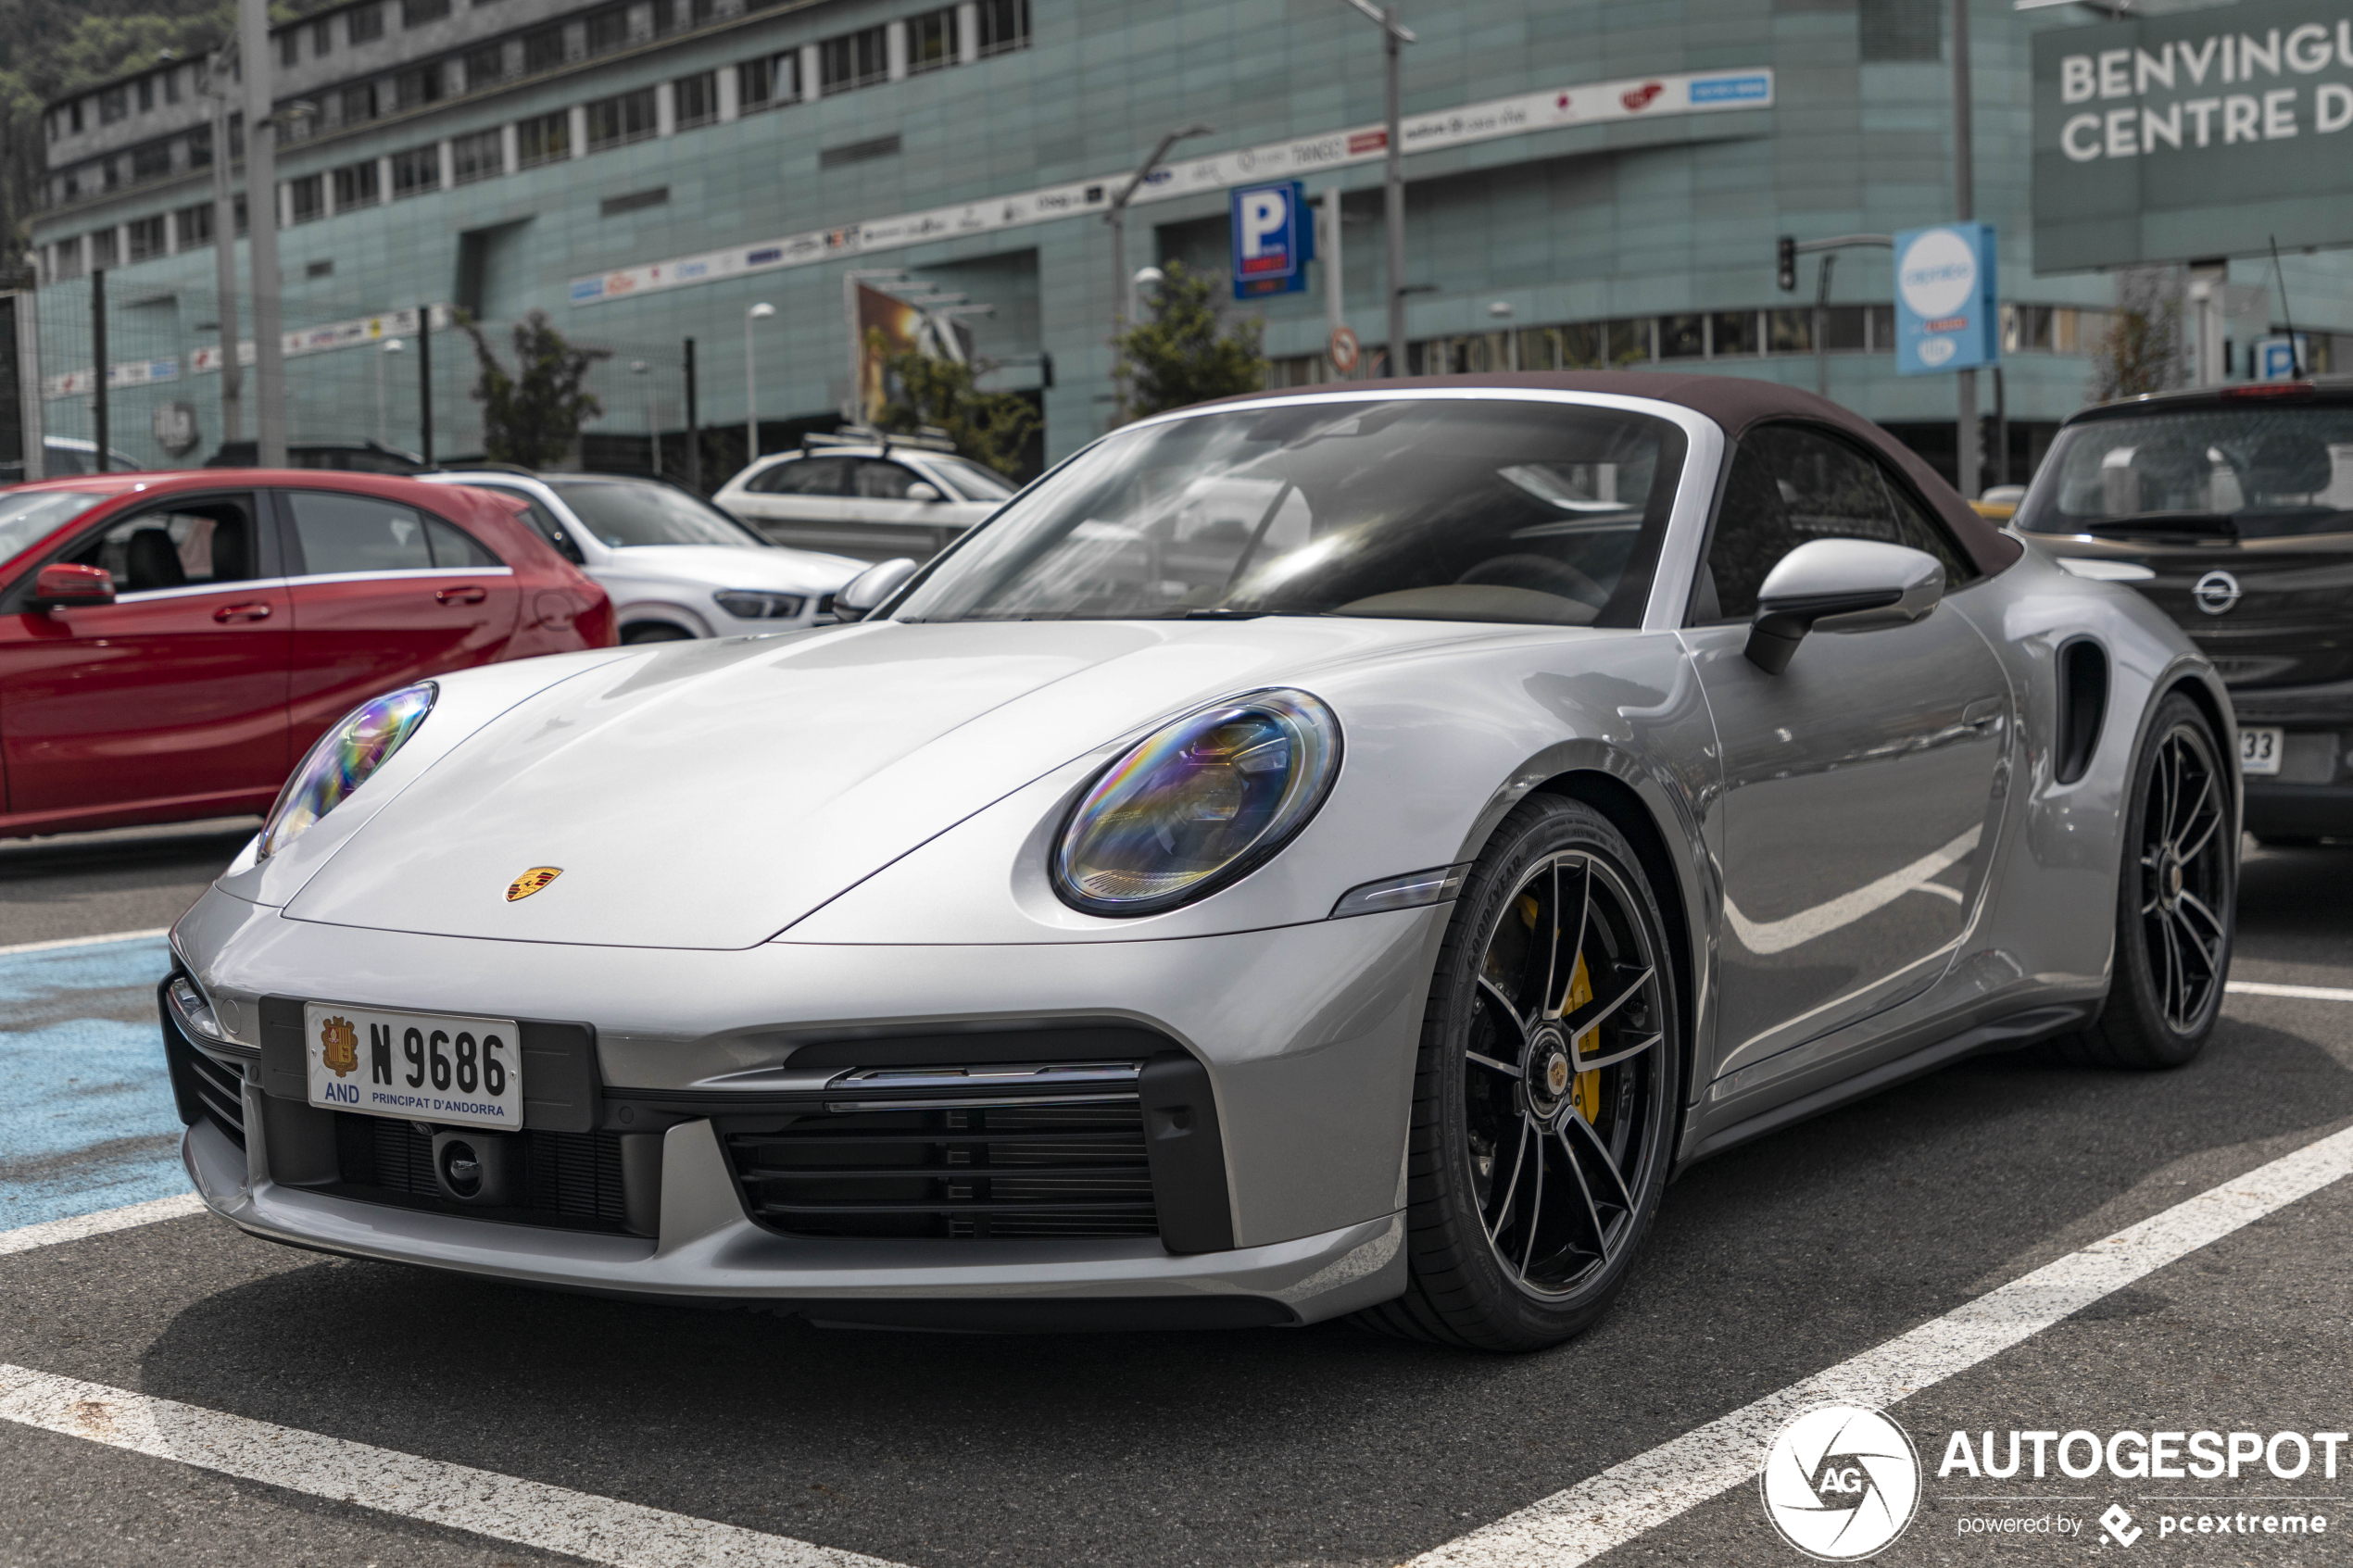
<point x="927" y="438"/>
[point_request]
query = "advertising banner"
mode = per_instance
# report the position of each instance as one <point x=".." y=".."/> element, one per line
<point x="1945" y="313"/>
<point x="888" y="326"/>
<point x="2198" y="133"/>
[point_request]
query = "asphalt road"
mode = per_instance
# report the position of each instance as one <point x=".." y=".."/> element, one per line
<point x="1318" y="1445"/>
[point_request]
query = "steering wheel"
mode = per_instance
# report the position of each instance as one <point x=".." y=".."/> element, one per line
<point x="1540" y="573"/>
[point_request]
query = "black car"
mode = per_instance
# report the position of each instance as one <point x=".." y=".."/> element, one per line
<point x="2232" y="509"/>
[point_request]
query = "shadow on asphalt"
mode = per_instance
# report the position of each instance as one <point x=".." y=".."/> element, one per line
<point x="1328" y="1444"/>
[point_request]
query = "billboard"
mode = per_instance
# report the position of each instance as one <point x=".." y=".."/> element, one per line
<point x="2194" y="134"/>
<point x="888" y="326"/>
<point x="1945" y="314"/>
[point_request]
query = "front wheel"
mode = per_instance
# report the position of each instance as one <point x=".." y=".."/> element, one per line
<point x="1545" y="1094"/>
<point x="2176" y="900"/>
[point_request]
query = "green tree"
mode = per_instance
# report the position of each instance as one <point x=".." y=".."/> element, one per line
<point x="1186" y="351"/>
<point x="991" y="428"/>
<point x="533" y="415"/>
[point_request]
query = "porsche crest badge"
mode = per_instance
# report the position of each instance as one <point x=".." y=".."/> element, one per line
<point x="532" y="881"/>
<point x="338" y="1045"/>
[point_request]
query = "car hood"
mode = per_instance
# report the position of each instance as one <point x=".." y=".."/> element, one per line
<point x="709" y="793"/>
<point x="732" y="565"/>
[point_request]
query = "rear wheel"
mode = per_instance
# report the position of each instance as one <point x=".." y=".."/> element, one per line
<point x="2176" y="899"/>
<point x="1545" y="1096"/>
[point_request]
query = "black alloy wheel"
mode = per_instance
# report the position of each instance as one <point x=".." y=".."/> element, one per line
<point x="2176" y="899"/>
<point x="1545" y="1090"/>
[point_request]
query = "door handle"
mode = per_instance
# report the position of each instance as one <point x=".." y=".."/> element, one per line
<point x="469" y="595"/>
<point x="1983" y="714"/>
<point x="227" y="613"/>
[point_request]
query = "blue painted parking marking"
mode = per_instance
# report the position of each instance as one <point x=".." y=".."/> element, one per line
<point x="86" y="1118"/>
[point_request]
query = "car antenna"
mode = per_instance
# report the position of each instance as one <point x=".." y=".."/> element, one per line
<point x="2295" y="356"/>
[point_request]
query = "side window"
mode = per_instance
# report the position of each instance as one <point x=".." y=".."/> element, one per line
<point x="340" y="532"/>
<point x="1789" y="486"/>
<point x="550" y="528"/>
<point x="879" y="480"/>
<point x="806" y="476"/>
<point x="185" y="544"/>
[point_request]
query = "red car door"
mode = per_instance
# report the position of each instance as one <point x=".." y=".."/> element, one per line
<point x="172" y="700"/>
<point x="384" y="592"/>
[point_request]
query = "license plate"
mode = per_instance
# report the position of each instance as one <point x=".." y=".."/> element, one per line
<point x="2259" y="750"/>
<point x="421" y="1066"/>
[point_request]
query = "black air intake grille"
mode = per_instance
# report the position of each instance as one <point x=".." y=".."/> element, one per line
<point x="1073" y="1170"/>
<point x="569" y="1178"/>
<point x="218" y="1090"/>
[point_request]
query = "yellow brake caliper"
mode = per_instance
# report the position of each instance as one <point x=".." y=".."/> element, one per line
<point x="1587" y="1088"/>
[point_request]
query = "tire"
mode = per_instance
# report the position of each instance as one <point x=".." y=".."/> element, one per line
<point x="2177" y="894"/>
<point x="1520" y="1250"/>
<point x="654" y="632"/>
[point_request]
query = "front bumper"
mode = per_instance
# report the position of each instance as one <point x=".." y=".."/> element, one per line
<point x="1308" y="1036"/>
<point x="2311" y="796"/>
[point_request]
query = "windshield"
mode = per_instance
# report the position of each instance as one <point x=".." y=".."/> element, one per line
<point x="2259" y="471"/>
<point x="1429" y="508"/>
<point x="622" y="512"/>
<point x="978" y="483"/>
<point x="27" y="517"/>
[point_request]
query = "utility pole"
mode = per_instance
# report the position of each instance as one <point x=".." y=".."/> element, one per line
<point x="694" y="425"/>
<point x="1395" y="35"/>
<point x="98" y="411"/>
<point x="1965" y="456"/>
<point x="1121" y="286"/>
<point x="424" y="384"/>
<point x="261" y="225"/>
<point x="219" y="81"/>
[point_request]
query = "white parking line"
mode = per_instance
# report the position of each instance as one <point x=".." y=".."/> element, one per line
<point x="1648" y="1490"/>
<point x="526" y="1512"/>
<point x="2310" y="993"/>
<point x="26" y="1238"/>
<point x="83" y="941"/>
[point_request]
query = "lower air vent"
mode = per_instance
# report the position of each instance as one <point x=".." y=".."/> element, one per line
<point x="866" y="1169"/>
<point x="571" y="1180"/>
<point x="214" y="1089"/>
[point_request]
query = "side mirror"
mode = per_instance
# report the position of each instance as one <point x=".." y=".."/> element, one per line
<point x="1839" y="585"/>
<point x="63" y="585"/>
<point x="921" y="491"/>
<point x="860" y="595"/>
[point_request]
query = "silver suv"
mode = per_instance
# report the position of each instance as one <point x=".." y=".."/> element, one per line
<point x="673" y="564"/>
<point x="876" y="499"/>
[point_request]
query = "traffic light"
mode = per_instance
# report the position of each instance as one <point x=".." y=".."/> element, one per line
<point x="1788" y="263"/>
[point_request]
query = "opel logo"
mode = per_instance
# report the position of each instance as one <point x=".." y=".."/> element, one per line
<point x="2215" y="592"/>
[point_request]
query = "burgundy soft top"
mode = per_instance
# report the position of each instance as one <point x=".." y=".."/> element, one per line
<point x="1735" y="403"/>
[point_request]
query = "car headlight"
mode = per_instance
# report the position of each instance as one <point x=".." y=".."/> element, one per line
<point x="1202" y="803"/>
<point x="341" y="761"/>
<point x="747" y="604"/>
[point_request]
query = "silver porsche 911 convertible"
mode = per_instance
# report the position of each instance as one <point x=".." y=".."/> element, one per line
<point x="1315" y="854"/>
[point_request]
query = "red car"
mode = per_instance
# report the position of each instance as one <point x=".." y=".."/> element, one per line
<point x="172" y="643"/>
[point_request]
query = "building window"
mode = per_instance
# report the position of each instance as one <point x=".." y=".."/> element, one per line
<point x="237" y="211"/>
<point x="364" y="25"/>
<point x="416" y="171"/>
<point x="608" y="30"/>
<point x="200" y="147"/>
<point x="356" y="184"/>
<point x="477" y="157"/>
<point x="1732" y="332"/>
<point x="151" y="162"/>
<point x="545" y="138"/>
<point x="73" y="112"/>
<point x="323" y="39"/>
<point x="308" y="196"/>
<point x="359" y="103"/>
<point x="1901" y="29"/>
<point x="543" y="50"/>
<point x="762" y="84"/>
<point x="413" y="89"/>
<point x="1789" y="332"/>
<point x="147" y="93"/>
<point x="146" y="237"/>
<point x="172" y="87"/>
<point x="68" y="259"/>
<point x="1004" y="26"/>
<point x="113" y="104"/>
<point x="698" y="99"/>
<point x="195" y="224"/>
<point x="931" y="41"/>
<point x="289" y="49"/>
<point x="102" y="247"/>
<point x="855" y="59"/>
<point x="416" y="13"/>
<point x="618" y="120"/>
<point x="485" y="67"/>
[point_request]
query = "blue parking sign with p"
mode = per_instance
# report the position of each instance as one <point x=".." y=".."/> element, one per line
<point x="1274" y="239"/>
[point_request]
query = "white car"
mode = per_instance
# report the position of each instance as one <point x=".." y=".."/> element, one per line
<point x="875" y="501"/>
<point x="675" y="566"/>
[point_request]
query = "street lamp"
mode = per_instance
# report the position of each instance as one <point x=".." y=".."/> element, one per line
<point x="391" y="345"/>
<point x="653" y="420"/>
<point x="1500" y="310"/>
<point x="1395" y="37"/>
<point x="1122" y="303"/>
<point x="1145" y="278"/>
<point x="759" y="312"/>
